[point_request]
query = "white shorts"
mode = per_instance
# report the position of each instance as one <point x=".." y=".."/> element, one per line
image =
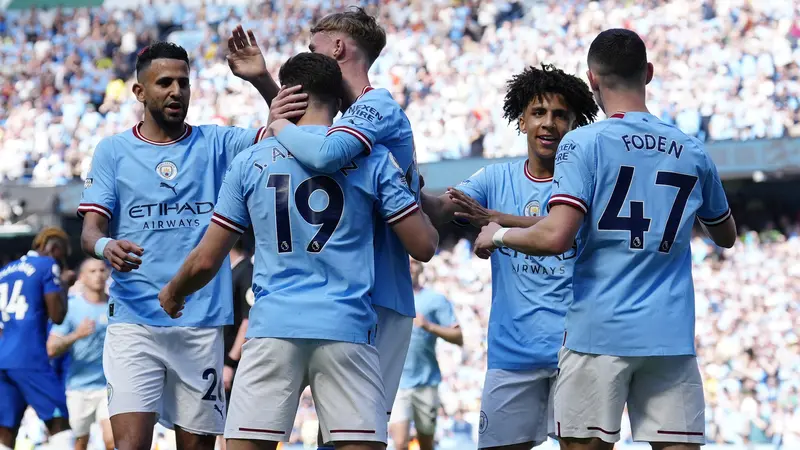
<point x="345" y="383"/>
<point x="175" y="372"/>
<point x="664" y="396"/>
<point x="392" y="338"/>
<point x="419" y="403"/>
<point x="86" y="408"/>
<point x="517" y="407"/>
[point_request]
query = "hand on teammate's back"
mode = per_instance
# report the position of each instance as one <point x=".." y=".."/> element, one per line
<point x="484" y="243"/>
<point x="471" y="210"/>
<point x="245" y="58"/>
<point x="118" y="253"/>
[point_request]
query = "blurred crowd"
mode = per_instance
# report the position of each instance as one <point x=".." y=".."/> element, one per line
<point x="724" y="69"/>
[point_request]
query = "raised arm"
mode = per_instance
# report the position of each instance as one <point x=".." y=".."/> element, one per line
<point x="247" y="62"/>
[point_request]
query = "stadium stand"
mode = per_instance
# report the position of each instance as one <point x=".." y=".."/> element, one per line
<point x="725" y="70"/>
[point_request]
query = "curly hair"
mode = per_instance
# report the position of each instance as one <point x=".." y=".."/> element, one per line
<point x="533" y="83"/>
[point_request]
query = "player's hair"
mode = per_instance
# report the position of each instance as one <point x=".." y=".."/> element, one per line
<point x="360" y="26"/>
<point x="319" y="75"/>
<point x="48" y="235"/>
<point x="533" y="83"/>
<point x="159" y="50"/>
<point x="618" y="55"/>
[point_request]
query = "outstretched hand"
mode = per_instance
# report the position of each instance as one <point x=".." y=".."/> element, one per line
<point x="471" y="209"/>
<point x="245" y="58"/>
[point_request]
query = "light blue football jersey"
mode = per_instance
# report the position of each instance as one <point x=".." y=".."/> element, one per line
<point x="314" y="259"/>
<point x="23" y="285"/>
<point x="421" y="367"/>
<point x="530" y="294"/>
<point x="374" y="118"/>
<point x="641" y="183"/>
<point x="161" y="197"/>
<point x="85" y="371"/>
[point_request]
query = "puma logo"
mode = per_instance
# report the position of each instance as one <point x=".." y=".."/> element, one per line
<point x="557" y="182"/>
<point x="217" y="409"/>
<point x="172" y="188"/>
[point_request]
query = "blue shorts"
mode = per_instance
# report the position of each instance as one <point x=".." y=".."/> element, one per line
<point x="41" y="389"/>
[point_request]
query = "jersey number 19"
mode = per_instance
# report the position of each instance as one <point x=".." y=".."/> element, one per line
<point x="327" y="218"/>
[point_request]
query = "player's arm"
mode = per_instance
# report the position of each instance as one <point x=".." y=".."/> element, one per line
<point x="245" y="296"/>
<point x="568" y="206"/>
<point x="200" y="266"/>
<point x="98" y="201"/>
<point x="229" y="221"/>
<point x="63" y="336"/>
<point x="417" y="233"/>
<point x="441" y="209"/>
<point x="715" y="214"/>
<point x="399" y="208"/>
<point x="467" y="208"/>
<point x="55" y="293"/>
<point x="122" y="254"/>
<point x="351" y="135"/>
<point x="552" y="235"/>
<point x="247" y="62"/>
<point x="325" y="154"/>
<point x="444" y="325"/>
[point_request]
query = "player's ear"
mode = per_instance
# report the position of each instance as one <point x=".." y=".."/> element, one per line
<point x="138" y="91"/>
<point x="522" y="128"/>
<point x="338" y="48"/>
<point x="592" y="80"/>
<point x="650" y="71"/>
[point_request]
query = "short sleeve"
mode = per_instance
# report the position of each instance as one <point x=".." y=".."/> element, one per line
<point x="715" y="209"/>
<point x="395" y="200"/>
<point x="51" y="277"/>
<point x="99" y="189"/>
<point x="444" y="313"/>
<point x="573" y="180"/>
<point x="477" y="186"/>
<point x="67" y="326"/>
<point x="231" y="209"/>
<point x="236" y="139"/>
<point x="368" y="120"/>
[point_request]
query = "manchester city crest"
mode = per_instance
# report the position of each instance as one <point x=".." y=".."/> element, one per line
<point x="167" y="170"/>
<point x="532" y="209"/>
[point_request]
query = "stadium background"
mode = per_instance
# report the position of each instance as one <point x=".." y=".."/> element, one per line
<point x="726" y="71"/>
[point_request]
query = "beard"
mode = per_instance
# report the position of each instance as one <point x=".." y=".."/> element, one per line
<point x="167" y="121"/>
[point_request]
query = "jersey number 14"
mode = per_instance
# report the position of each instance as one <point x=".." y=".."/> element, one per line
<point x="12" y="303"/>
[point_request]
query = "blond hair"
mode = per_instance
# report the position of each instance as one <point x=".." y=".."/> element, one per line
<point x="360" y="26"/>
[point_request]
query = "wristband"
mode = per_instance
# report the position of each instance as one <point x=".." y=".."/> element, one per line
<point x="497" y="239"/>
<point x="100" y="245"/>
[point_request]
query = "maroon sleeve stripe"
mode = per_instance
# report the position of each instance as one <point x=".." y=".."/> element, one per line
<point x="402" y="214"/>
<point x="353" y="132"/>
<point x="228" y="224"/>
<point x="563" y="199"/>
<point x="83" y="208"/>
